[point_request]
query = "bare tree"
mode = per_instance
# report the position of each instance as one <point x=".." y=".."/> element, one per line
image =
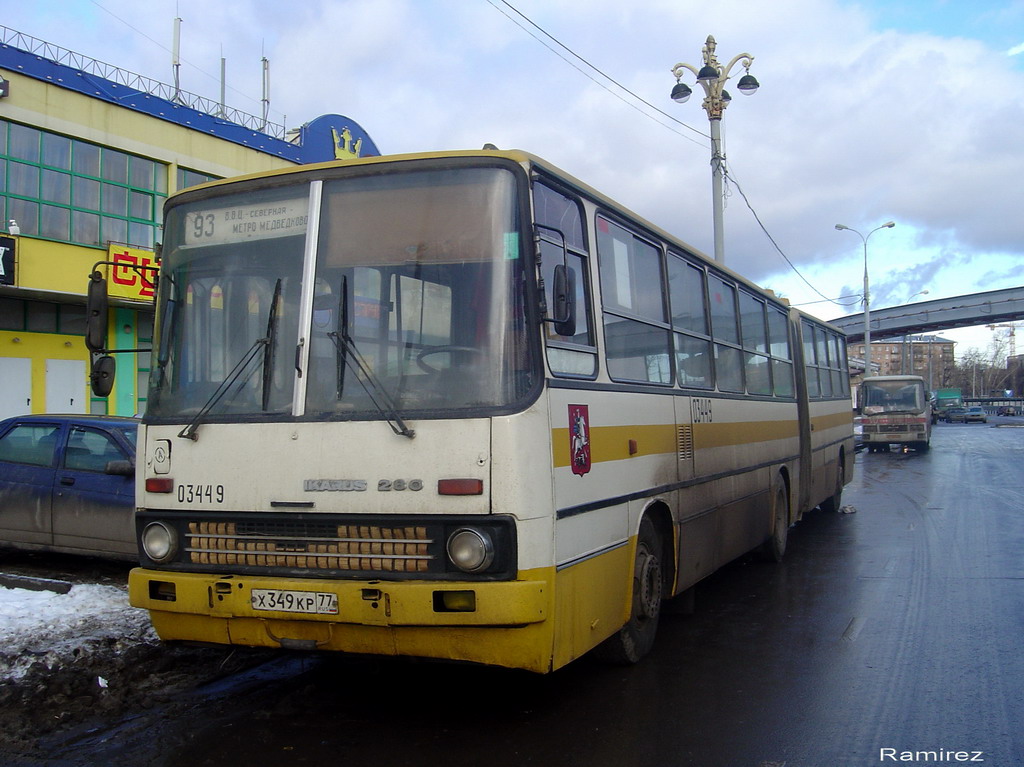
<point x="982" y="373"/>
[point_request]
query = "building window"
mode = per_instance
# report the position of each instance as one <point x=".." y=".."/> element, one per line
<point x="187" y="178"/>
<point x="64" y="189"/>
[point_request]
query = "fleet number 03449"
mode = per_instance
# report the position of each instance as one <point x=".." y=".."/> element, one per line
<point x="200" y="493"/>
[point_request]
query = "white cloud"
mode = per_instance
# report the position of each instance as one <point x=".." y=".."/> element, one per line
<point x="853" y="123"/>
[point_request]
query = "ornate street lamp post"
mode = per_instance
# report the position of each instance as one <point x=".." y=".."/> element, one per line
<point x="867" y="294"/>
<point x="712" y="77"/>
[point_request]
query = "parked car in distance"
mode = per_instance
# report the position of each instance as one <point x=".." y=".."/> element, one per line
<point x="67" y="484"/>
<point x="955" y="414"/>
<point x="975" y="414"/>
<point x="1007" y="410"/>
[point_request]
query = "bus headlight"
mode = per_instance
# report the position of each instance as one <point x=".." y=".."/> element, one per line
<point x="470" y="550"/>
<point x="159" y="541"/>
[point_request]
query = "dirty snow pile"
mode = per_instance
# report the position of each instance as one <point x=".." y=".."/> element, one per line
<point x="55" y="629"/>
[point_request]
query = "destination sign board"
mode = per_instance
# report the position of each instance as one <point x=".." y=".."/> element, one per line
<point x="244" y="223"/>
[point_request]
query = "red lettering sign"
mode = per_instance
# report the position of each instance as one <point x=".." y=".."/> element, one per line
<point x="128" y="274"/>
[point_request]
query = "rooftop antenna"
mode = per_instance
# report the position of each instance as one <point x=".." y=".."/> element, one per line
<point x="223" y="82"/>
<point x="176" y="60"/>
<point x="266" y="91"/>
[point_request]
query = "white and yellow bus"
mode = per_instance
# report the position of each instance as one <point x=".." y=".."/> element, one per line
<point x="460" y="405"/>
<point x="894" y="410"/>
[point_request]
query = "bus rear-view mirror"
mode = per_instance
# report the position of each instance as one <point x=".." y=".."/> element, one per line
<point x="102" y="376"/>
<point x="96" y="305"/>
<point x="563" y="300"/>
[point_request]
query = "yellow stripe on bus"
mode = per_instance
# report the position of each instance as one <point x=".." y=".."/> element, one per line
<point x="612" y="443"/>
<point x="845" y="418"/>
<point x="743" y="433"/>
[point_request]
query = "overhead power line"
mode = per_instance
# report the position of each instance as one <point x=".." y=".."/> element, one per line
<point x="620" y="86"/>
<point x="593" y="68"/>
<point x="729" y="177"/>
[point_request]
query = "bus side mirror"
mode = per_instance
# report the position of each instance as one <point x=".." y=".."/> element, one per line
<point x="96" y="305"/>
<point x="102" y="375"/>
<point x="563" y="299"/>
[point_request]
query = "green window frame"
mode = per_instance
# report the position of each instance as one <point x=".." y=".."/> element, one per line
<point x="65" y="189"/>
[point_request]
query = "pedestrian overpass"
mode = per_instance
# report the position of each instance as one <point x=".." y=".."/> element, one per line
<point x="990" y="308"/>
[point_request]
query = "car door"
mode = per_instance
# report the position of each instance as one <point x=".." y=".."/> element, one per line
<point x="93" y="509"/>
<point x="28" y="456"/>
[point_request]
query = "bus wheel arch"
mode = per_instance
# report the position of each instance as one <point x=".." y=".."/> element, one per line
<point x="649" y="586"/>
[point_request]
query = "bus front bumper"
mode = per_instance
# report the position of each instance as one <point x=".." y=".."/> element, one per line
<point x="503" y="623"/>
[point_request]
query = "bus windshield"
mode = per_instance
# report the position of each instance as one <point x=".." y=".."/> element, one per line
<point x="899" y="396"/>
<point x="401" y="288"/>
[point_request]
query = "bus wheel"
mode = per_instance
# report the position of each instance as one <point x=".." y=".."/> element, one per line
<point x="634" y="640"/>
<point x="832" y="503"/>
<point x="774" y="548"/>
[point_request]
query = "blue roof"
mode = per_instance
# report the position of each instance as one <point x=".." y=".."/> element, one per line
<point x="317" y="139"/>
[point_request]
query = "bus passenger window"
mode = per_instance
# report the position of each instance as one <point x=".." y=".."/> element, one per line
<point x="752" y="322"/>
<point x="686" y="294"/>
<point x="689" y="313"/>
<point x="810" y="360"/>
<point x="728" y="368"/>
<point x="778" y="345"/>
<point x="778" y="330"/>
<point x="725" y="329"/>
<point x="723" y="310"/>
<point x="693" y="361"/>
<point x="637" y="338"/>
<point x="631" y="280"/>
<point x="782" y="378"/>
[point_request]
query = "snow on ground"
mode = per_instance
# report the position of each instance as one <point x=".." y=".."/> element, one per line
<point x="52" y="628"/>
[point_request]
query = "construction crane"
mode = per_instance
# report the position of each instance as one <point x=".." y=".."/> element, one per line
<point x="1012" y="335"/>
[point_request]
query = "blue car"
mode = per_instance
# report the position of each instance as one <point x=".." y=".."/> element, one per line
<point x="67" y="484"/>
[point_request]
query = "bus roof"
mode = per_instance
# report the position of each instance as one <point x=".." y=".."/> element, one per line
<point x="528" y="161"/>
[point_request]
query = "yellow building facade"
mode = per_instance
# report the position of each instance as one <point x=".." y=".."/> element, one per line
<point x="86" y="163"/>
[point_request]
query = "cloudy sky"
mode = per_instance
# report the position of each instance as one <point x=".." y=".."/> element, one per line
<point x="903" y="110"/>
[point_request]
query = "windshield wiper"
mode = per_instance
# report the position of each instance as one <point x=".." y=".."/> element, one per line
<point x="267" y="343"/>
<point x="349" y="354"/>
<point x="268" y="350"/>
<point x="189" y="432"/>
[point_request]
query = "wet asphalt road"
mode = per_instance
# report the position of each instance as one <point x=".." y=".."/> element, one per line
<point x="897" y="628"/>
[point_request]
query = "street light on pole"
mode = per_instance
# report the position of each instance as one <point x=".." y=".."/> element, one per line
<point x="712" y="77"/>
<point x="867" y="294"/>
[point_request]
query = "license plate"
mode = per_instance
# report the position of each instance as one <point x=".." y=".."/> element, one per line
<point x="316" y="602"/>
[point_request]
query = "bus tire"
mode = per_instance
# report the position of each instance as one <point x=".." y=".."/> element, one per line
<point x="774" y="548"/>
<point x="634" y="640"/>
<point x="834" y="501"/>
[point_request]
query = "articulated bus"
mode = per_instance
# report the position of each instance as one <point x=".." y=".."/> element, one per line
<point x="894" y="410"/>
<point x="462" y="406"/>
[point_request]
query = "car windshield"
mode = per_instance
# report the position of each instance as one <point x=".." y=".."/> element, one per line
<point x="130" y="435"/>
